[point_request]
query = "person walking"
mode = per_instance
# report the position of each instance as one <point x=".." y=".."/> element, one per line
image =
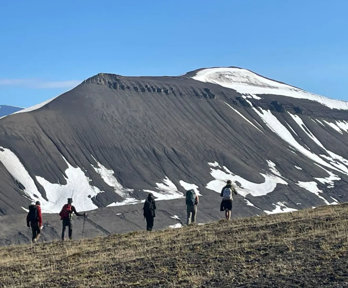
<point x="149" y="211"/>
<point x="34" y="220"/>
<point x="66" y="216"/>
<point x="226" y="203"/>
<point x="191" y="206"/>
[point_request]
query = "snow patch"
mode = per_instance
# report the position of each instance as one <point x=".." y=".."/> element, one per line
<point x="188" y="186"/>
<point x="35" y="107"/>
<point x="312" y="187"/>
<point x="241" y="115"/>
<point x="244" y="186"/>
<point x="280" y="207"/>
<point x="166" y="190"/>
<point x="175" y="226"/>
<point x="334" y="126"/>
<point x="108" y="176"/>
<point x="249" y="83"/>
<point x="77" y="186"/>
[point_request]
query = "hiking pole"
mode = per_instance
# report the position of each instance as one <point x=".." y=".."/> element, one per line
<point x="83" y="225"/>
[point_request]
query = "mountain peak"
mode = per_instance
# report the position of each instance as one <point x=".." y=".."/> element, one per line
<point x="249" y="83"/>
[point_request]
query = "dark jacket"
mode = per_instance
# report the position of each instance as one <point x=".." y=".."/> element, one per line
<point x="149" y="207"/>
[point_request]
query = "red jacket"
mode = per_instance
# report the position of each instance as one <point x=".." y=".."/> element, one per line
<point x="39" y="215"/>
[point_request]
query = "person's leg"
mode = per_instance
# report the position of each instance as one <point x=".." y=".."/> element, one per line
<point x="228" y="214"/>
<point x="194" y="214"/>
<point x="150" y="223"/>
<point x="63" y="229"/>
<point x="38" y="231"/>
<point x="33" y="231"/>
<point x="189" y="214"/>
<point x="70" y="229"/>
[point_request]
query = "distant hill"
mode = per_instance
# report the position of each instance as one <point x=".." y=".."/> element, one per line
<point x="300" y="249"/>
<point x="6" y="110"/>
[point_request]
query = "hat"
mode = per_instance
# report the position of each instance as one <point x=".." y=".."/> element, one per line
<point x="229" y="182"/>
<point x="37" y="203"/>
<point x="69" y="200"/>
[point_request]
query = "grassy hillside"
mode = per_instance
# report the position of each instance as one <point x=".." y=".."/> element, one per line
<point x="305" y="249"/>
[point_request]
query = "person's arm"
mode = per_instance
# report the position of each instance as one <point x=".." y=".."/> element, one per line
<point x="196" y="200"/>
<point x="28" y="224"/>
<point x="234" y="191"/>
<point x="39" y="215"/>
<point x="73" y="210"/>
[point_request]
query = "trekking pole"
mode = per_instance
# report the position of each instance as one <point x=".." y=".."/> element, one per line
<point x="83" y="225"/>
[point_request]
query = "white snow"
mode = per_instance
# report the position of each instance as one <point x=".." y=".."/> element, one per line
<point x="240" y="114"/>
<point x="334" y="126"/>
<point x="35" y="107"/>
<point x="280" y="207"/>
<point x="249" y="83"/>
<point x="330" y="180"/>
<point x="335" y="160"/>
<point x="343" y="125"/>
<point x="298" y="167"/>
<point x="278" y="128"/>
<point x="312" y="187"/>
<point x="128" y="201"/>
<point x="108" y="176"/>
<point x="272" y="168"/>
<point x="176" y="217"/>
<point x="175" y="226"/>
<point x="77" y="186"/>
<point x="214" y="164"/>
<point x="245" y="186"/>
<point x="248" y="203"/>
<point x="188" y="186"/>
<point x="166" y="190"/>
<point x="15" y="167"/>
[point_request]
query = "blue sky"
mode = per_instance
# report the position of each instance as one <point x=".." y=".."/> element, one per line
<point x="47" y="47"/>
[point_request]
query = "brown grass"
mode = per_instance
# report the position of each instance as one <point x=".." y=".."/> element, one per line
<point x="301" y="249"/>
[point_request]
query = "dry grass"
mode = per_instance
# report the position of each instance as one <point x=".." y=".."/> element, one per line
<point x="306" y="249"/>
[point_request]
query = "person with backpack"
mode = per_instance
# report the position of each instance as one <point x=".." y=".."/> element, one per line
<point x="34" y="220"/>
<point x="66" y="216"/>
<point x="226" y="203"/>
<point x="149" y="211"/>
<point x="191" y="206"/>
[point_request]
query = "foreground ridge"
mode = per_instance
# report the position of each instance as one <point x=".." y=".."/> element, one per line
<point x="305" y="248"/>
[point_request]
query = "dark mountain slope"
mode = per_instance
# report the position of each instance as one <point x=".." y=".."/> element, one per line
<point x="158" y="133"/>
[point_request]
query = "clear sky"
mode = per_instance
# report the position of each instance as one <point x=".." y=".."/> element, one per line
<point x="48" y="47"/>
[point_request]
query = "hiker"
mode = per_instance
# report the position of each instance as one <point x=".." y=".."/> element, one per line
<point x="191" y="206"/>
<point x="226" y="203"/>
<point x="149" y="211"/>
<point x="34" y="220"/>
<point x="66" y="216"/>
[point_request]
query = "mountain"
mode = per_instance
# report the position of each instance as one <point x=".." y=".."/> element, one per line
<point x="112" y="139"/>
<point x="6" y="110"/>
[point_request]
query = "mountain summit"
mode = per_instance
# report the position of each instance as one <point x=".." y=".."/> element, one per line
<point x="113" y="139"/>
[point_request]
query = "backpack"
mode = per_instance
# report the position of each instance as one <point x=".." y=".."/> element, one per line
<point x="227" y="193"/>
<point x="190" y="197"/>
<point x="66" y="211"/>
<point x="32" y="214"/>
